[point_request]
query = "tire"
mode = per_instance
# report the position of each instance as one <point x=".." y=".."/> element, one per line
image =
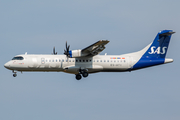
<point x="85" y="74"/>
<point x="14" y="75"/>
<point x="78" y="77"/>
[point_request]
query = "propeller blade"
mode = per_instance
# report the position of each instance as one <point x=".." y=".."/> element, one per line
<point x="54" y="51"/>
<point x="66" y="51"/>
<point x="68" y="48"/>
<point x="66" y="45"/>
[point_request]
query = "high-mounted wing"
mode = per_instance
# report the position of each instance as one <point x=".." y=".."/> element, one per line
<point x="95" y="48"/>
<point x="89" y="51"/>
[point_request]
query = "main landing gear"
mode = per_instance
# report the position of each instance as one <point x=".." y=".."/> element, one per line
<point x="83" y="72"/>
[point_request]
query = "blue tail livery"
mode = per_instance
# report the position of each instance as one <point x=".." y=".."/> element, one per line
<point x="156" y="53"/>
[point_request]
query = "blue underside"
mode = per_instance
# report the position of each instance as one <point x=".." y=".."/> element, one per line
<point x="144" y="62"/>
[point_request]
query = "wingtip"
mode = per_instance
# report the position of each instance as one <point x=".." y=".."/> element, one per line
<point x="104" y="40"/>
<point x="173" y="32"/>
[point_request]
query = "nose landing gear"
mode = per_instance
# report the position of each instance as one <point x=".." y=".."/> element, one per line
<point x="15" y="73"/>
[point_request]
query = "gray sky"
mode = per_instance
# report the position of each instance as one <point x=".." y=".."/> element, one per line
<point x="37" y="26"/>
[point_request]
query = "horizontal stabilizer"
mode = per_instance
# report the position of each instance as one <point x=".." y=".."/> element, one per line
<point x="165" y="32"/>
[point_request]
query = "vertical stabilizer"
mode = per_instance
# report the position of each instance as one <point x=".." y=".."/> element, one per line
<point x="156" y="53"/>
<point x="159" y="47"/>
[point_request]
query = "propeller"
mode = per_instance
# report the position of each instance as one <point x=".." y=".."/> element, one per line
<point x="54" y="52"/>
<point x="66" y="52"/>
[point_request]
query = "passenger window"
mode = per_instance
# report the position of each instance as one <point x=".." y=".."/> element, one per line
<point x="97" y="60"/>
<point x="83" y="60"/>
<point x="73" y="60"/>
<point x="100" y="60"/>
<point x="66" y="60"/>
<point x="49" y="60"/>
<point x="46" y="60"/>
<point x="124" y="60"/>
<point x="104" y="60"/>
<point x="90" y="60"/>
<point x="79" y="60"/>
<point x="62" y="60"/>
<point x="107" y="60"/>
<point x="69" y="60"/>
<point x="76" y="60"/>
<point x="86" y="60"/>
<point x="56" y="60"/>
<point x="59" y="60"/>
<point x="114" y="60"/>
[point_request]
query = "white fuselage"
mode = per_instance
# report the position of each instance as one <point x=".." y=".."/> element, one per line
<point x="99" y="63"/>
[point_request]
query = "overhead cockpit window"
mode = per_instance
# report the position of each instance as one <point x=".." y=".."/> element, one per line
<point x="18" y="58"/>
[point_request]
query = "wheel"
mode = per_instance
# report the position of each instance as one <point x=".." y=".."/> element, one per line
<point x="14" y="75"/>
<point x="78" y="76"/>
<point x="85" y="74"/>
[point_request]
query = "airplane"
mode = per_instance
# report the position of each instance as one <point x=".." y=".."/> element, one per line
<point x="86" y="61"/>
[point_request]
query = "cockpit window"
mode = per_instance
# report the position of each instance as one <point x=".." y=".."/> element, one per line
<point x="18" y="58"/>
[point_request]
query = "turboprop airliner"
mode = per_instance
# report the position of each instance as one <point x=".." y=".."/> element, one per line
<point x="85" y="61"/>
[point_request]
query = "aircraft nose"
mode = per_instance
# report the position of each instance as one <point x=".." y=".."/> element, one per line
<point x="6" y="65"/>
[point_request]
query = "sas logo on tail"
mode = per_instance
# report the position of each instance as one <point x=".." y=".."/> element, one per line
<point x="158" y="50"/>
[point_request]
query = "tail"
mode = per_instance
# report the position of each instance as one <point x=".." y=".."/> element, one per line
<point x="159" y="47"/>
<point x="155" y="53"/>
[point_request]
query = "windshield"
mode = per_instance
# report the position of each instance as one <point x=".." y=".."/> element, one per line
<point x="18" y="58"/>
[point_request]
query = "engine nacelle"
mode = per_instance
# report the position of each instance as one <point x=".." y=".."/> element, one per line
<point x="75" y="53"/>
